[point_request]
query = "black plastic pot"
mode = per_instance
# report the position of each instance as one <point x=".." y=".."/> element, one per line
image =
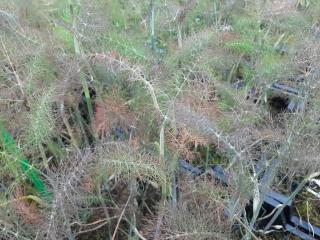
<point x="272" y="202"/>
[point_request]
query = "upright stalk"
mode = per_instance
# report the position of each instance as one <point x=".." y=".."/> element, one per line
<point x="152" y="24"/>
<point x="152" y="12"/>
<point x="179" y="34"/>
<point x="77" y="49"/>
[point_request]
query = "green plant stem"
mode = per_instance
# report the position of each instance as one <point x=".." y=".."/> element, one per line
<point x="152" y="19"/>
<point x="77" y="50"/>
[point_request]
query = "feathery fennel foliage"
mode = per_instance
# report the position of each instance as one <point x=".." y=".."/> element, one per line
<point x="120" y="159"/>
<point x="41" y="120"/>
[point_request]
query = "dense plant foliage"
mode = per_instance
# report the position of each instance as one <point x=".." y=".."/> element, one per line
<point x="99" y="100"/>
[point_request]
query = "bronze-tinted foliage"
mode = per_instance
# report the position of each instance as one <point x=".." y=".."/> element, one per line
<point x="112" y="112"/>
<point x="184" y="142"/>
<point x="27" y="210"/>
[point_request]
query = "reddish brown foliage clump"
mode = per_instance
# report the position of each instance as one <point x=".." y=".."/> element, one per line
<point x="228" y="36"/>
<point x="185" y="142"/>
<point x="110" y="113"/>
<point x="26" y="209"/>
